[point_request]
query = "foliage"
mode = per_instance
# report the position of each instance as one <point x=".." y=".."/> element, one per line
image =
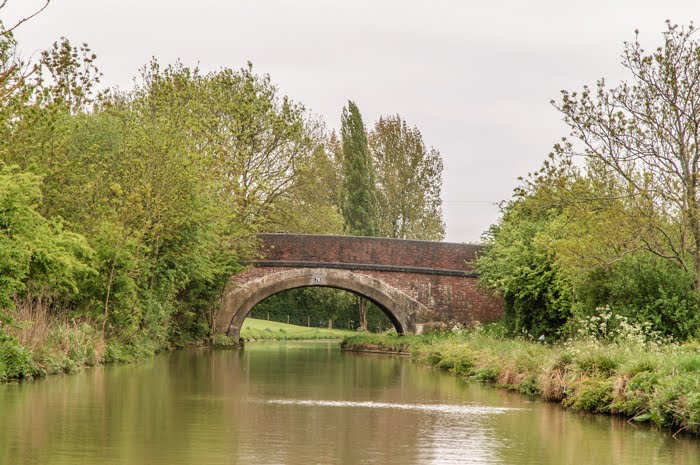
<point x="128" y="210"/>
<point x="317" y="306"/>
<point x="131" y="209"/>
<point x="617" y="230"/>
<point x="261" y="146"/>
<point x="311" y="206"/>
<point x="644" y="289"/>
<point x="36" y="254"/>
<point x="643" y="134"/>
<point x="519" y="264"/>
<point x="67" y="76"/>
<point x="15" y="361"/>
<point x="222" y="341"/>
<point x="409" y="176"/>
<point x="359" y="195"/>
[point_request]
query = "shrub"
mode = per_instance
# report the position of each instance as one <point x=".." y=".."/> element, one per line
<point x="16" y="362"/>
<point x="646" y="290"/>
<point x="633" y="397"/>
<point x="591" y="395"/>
<point x="222" y="341"/>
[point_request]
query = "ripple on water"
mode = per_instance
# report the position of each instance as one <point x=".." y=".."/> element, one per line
<point x="455" y="409"/>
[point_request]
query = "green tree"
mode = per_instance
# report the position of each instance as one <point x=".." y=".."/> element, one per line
<point x="410" y="180"/>
<point x="619" y="231"/>
<point x="358" y="201"/>
<point x="520" y="264"/>
<point x="644" y="133"/>
<point x="311" y="205"/>
<point x="359" y="195"/>
<point x="566" y="247"/>
<point x="262" y="146"/>
<point x="39" y="258"/>
<point x="167" y="240"/>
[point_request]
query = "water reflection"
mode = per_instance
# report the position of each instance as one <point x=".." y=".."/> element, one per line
<point x="300" y="403"/>
<point x="454" y="440"/>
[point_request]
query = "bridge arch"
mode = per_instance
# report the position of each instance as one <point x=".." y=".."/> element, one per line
<point x="240" y="298"/>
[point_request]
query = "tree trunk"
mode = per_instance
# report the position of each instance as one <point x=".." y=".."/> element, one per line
<point x="361" y="303"/>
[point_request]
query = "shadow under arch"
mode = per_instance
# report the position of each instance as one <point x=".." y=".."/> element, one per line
<point x="239" y="299"/>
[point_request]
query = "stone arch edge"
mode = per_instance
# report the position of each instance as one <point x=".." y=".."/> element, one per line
<point x="240" y="297"/>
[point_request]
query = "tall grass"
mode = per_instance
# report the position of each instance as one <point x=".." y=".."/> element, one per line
<point x="38" y="343"/>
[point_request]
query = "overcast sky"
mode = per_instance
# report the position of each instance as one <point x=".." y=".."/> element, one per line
<point x="475" y="77"/>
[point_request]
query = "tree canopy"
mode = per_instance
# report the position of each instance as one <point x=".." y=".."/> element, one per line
<point x="131" y="208"/>
<point x="610" y="222"/>
<point x="358" y="201"/>
<point x="643" y="136"/>
<point x="409" y="179"/>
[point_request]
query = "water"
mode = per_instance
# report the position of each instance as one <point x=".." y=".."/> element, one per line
<point x="304" y="403"/>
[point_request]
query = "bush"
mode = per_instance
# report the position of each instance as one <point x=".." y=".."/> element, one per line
<point x="591" y="395"/>
<point x="646" y="290"/>
<point x="634" y="398"/>
<point x="16" y="362"/>
<point x="222" y="341"/>
<point x="120" y="352"/>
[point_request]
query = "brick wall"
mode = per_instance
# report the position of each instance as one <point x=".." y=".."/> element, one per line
<point x="451" y="297"/>
<point x="369" y="250"/>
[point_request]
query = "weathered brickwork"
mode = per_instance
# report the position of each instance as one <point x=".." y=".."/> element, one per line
<point x="451" y="299"/>
<point x="436" y="279"/>
<point x="368" y="250"/>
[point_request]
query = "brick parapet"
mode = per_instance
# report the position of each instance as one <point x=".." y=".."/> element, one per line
<point x="369" y="251"/>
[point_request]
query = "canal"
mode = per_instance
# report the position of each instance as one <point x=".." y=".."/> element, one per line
<point x="304" y="403"/>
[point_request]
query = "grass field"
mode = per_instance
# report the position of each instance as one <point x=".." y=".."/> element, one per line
<point x="266" y="330"/>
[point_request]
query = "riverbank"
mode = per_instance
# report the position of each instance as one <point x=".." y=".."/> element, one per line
<point x="36" y="350"/>
<point x="644" y="382"/>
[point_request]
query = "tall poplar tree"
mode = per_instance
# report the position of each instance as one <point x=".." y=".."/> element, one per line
<point x="358" y="201"/>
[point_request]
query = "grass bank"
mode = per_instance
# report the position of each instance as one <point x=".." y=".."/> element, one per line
<point x="40" y="346"/>
<point x="642" y="381"/>
<point x="256" y="330"/>
<point x="33" y="350"/>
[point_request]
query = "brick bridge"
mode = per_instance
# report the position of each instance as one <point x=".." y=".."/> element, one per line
<point x="413" y="282"/>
